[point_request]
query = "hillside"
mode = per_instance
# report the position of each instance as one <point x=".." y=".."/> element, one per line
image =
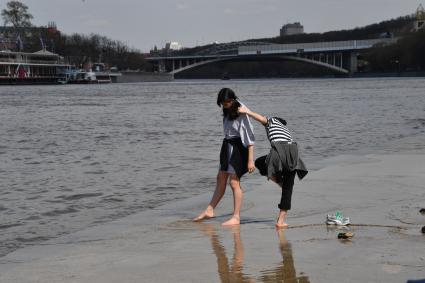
<point x="396" y="27"/>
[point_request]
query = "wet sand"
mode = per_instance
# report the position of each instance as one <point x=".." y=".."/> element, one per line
<point x="381" y="193"/>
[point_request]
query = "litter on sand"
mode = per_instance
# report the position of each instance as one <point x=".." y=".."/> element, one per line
<point x="337" y="219"/>
<point x="345" y="235"/>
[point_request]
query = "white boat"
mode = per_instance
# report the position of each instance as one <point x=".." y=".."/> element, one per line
<point x="97" y="74"/>
<point x="42" y="67"/>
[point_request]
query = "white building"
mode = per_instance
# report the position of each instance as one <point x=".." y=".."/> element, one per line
<point x="173" y="46"/>
<point x="291" y="29"/>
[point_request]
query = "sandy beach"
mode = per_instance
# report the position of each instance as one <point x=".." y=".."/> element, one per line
<point x="381" y="193"/>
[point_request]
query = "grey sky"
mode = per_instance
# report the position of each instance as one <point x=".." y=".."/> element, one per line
<point x="143" y="24"/>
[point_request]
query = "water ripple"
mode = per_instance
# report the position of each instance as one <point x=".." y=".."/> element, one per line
<point x="80" y="196"/>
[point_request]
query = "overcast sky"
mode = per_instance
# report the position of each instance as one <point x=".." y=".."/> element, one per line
<point x="144" y="24"/>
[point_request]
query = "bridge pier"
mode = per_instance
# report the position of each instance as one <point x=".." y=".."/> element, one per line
<point x="353" y="62"/>
<point x="161" y="66"/>
<point x="340" y="60"/>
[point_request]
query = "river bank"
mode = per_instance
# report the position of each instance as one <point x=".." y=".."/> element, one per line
<point x="382" y="193"/>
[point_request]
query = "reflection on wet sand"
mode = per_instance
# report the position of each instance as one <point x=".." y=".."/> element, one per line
<point x="228" y="273"/>
<point x="233" y="272"/>
<point x="285" y="272"/>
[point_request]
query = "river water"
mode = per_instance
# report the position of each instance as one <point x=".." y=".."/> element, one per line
<point x="74" y="156"/>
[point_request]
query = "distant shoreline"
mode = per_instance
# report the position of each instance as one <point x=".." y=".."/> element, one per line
<point x="390" y="75"/>
<point x="356" y="75"/>
<point x="141" y="77"/>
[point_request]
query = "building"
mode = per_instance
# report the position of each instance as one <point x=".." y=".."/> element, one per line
<point x="173" y="46"/>
<point x="420" y="18"/>
<point x="291" y="29"/>
<point x="169" y="48"/>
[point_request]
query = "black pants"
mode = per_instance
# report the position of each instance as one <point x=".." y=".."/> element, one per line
<point x="287" y="185"/>
<point x="284" y="179"/>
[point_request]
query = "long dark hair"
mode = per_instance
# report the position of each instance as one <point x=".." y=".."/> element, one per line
<point x="225" y="94"/>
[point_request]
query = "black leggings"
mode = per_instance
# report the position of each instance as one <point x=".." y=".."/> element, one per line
<point x="285" y="180"/>
<point x="287" y="185"/>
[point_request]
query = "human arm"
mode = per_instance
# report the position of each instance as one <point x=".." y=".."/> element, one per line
<point x="251" y="165"/>
<point x="246" y="131"/>
<point x="260" y="118"/>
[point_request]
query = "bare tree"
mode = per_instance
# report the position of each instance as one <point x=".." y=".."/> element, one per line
<point x="16" y="14"/>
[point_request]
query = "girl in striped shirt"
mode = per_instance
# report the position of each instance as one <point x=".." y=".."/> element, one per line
<point x="282" y="163"/>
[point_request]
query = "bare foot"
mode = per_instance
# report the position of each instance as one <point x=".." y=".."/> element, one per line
<point x="232" y="221"/>
<point x="281" y="225"/>
<point x="280" y="222"/>
<point x="204" y="215"/>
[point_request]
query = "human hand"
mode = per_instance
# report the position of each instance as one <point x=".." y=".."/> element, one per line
<point x="243" y="110"/>
<point x="251" y="166"/>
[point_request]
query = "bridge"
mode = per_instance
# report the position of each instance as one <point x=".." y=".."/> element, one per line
<point x="338" y="56"/>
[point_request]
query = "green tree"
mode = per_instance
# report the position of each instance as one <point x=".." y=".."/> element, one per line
<point x="406" y="55"/>
<point x="16" y="14"/>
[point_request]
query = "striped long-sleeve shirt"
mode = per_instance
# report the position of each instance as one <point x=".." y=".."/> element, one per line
<point x="277" y="130"/>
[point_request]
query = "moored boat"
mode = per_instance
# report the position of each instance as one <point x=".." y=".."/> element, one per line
<point x="42" y="67"/>
<point x="98" y="73"/>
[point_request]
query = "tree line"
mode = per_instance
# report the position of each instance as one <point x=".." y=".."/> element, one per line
<point x="18" y="34"/>
<point x="393" y="27"/>
<point x="407" y="55"/>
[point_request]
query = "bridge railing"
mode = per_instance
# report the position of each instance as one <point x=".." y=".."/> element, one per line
<point x="313" y="47"/>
